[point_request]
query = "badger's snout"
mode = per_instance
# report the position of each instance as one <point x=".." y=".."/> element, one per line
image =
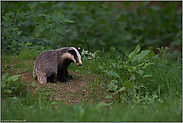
<point x="79" y="64"/>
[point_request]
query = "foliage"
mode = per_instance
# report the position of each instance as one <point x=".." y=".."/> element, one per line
<point x="10" y="87"/>
<point x="131" y="69"/>
<point x="93" y="25"/>
<point x="48" y="29"/>
<point x="128" y="76"/>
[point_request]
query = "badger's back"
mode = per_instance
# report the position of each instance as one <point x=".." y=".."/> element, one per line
<point x="46" y="63"/>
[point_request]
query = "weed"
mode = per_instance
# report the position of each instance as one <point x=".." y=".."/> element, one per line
<point x="10" y="87"/>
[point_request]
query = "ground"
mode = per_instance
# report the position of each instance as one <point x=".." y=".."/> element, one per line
<point x="75" y="90"/>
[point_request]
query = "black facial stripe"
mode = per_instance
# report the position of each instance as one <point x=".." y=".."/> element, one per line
<point x="75" y="55"/>
<point x="78" y="49"/>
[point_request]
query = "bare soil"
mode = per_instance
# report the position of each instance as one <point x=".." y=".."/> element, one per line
<point x="75" y="90"/>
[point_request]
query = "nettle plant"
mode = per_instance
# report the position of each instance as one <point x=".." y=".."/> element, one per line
<point x="131" y="69"/>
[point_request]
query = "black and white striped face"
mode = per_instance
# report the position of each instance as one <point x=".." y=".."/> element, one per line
<point x="75" y="55"/>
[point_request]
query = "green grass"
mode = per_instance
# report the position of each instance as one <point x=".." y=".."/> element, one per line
<point x="160" y="101"/>
<point x="170" y="111"/>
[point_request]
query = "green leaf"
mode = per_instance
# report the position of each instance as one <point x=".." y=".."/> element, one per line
<point x="146" y="64"/>
<point x="122" y="89"/>
<point x="146" y="76"/>
<point x="54" y="102"/>
<point x="19" y="32"/>
<point x="150" y="55"/>
<point x="67" y="20"/>
<point x="13" y="78"/>
<point x="127" y="84"/>
<point x="112" y="87"/>
<point x="139" y="65"/>
<point x="141" y="55"/>
<point x="109" y="104"/>
<point x="33" y="84"/>
<point x="4" y="77"/>
<point x="112" y="73"/>
<point x="140" y="72"/>
<point x="167" y="48"/>
<point x="70" y="21"/>
<point x="114" y="81"/>
<point x="7" y="91"/>
<point x="132" y="54"/>
<point x="131" y="69"/>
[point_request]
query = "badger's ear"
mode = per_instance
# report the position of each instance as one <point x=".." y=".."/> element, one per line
<point x="78" y="48"/>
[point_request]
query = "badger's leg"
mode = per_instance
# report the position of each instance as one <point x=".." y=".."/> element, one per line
<point x="66" y="74"/>
<point x="50" y="78"/>
<point x="60" y="75"/>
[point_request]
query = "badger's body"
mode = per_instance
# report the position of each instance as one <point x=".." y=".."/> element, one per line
<point x="55" y="62"/>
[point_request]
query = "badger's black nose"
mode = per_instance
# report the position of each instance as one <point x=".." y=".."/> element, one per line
<point x="80" y="64"/>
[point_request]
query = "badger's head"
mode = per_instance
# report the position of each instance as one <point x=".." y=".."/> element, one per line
<point x="75" y="55"/>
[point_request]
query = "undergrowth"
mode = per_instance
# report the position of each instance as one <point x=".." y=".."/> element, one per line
<point x="155" y="98"/>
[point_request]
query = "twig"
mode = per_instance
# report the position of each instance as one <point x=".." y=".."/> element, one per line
<point x="69" y="85"/>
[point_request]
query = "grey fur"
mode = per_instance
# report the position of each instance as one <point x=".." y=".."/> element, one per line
<point x="55" y="62"/>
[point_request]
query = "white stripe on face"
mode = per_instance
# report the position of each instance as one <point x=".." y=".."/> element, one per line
<point x="79" y="57"/>
<point x="69" y="56"/>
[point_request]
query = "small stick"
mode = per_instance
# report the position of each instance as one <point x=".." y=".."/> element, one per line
<point x="69" y="85"/>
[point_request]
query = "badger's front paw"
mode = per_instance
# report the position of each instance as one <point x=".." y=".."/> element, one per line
<point x="63" y="80"/>
<point x="52" y="82"/>
<point x="70" y="77"/>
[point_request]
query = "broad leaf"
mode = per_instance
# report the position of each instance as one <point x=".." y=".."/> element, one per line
<point x="127" y="84"/>
<point x="4" y="77"/>
<point x="112" y="73"/>
<point x="150" y="54"/>
<point x="7" y="91"/>
<point x="132" y="54"/>
<point x="141" y="55"/>
<point x="13" y="78"/>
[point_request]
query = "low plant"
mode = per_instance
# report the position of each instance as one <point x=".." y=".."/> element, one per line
<point x="127" y="74"/>
<point x="11" y="86"/>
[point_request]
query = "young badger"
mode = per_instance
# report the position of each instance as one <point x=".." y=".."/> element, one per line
<point x="55" y="62"/>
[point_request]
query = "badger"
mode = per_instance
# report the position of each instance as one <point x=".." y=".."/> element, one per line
<point x="55" y="62"/>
